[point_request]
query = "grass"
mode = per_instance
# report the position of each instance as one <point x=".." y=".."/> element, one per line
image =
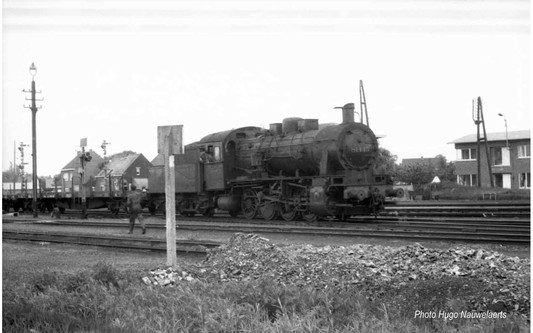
<point x="106" y="299"/>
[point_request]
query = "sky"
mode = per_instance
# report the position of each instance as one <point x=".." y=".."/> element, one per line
<point x="116" y="70"/>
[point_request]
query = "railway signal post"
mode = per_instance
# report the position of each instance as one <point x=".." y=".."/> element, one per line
<point x="85" y="157"/>
<point x="33" y="108"/>
<point x="169" y="143"/>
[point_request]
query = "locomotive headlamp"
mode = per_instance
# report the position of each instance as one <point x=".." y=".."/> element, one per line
<point x="33" y="70"/>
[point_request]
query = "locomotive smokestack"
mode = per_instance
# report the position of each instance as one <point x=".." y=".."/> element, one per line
<point x="347" y="113"/>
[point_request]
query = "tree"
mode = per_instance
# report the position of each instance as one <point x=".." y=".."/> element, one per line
<point x="9" y="175"/>
<point x="418" y="174"/>
<point x="445" y="170"/>
<point x="422" y="173"/>
<point x="386" y="162"/>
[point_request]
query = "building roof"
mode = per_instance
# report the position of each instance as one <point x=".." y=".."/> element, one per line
<point x="158" y="160"/>
<point x="499" y="136"/>
<point x="75" y="163"/>
<point x="433" y="161"/>
<point x="119" y="164"/>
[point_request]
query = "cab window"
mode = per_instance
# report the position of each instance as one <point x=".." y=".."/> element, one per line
<point x="217" y="154"/>
<point x="210" y="155"/>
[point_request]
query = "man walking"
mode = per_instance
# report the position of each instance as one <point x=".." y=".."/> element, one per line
<point x="135" y="209"/>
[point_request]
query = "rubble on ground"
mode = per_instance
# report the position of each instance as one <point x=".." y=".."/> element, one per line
<point x="166" y="277"/>
<point x="360" y="267"/>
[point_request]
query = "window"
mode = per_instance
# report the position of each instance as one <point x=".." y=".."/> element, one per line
<point x="213" y="153"/>
<point x="501" y="156"/>
<point x="467" y="180"/>
<point x="502" y="180"/>
<point x="467" y="154"/>
<point x="524" y="180"/>
<point x="524" y="151"/>
<point x="138" y="171"/>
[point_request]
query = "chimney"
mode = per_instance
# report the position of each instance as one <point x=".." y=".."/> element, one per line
<point x="347" y="113"/>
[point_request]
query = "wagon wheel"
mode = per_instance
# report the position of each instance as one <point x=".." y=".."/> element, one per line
<point x="249" y="204"/>
<point x="342" y="217"/>
<point x="269" y="210"/>
<point x="288" y="212"/>
<point x="209" y="212"/>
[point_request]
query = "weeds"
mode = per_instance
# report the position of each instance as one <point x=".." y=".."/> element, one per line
<point x="105" y="300"/>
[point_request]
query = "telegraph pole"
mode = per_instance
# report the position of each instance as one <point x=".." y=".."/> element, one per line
<point x="33" y="108"/>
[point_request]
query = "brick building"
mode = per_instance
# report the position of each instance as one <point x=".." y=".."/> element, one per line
<point x="435" y="162"/>
<point x="71" y="178"/>
<point x="121" y="171"/>
<point x="510" y="160"/>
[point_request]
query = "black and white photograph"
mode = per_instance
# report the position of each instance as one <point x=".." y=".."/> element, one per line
<point x="266" y="166"/>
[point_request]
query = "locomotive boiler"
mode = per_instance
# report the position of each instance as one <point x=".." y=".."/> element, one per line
<point x="297" y="168"/>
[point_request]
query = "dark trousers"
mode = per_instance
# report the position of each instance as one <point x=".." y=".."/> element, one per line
<point x="139" y="216"/>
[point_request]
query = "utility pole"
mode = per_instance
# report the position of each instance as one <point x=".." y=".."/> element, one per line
<point x="506" y="133"/>
<point x="33" y="108"/>
<point x="362" y="100"/>
<point x="478" y="120"/>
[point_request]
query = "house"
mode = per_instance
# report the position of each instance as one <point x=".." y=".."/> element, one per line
<point x="71" y="173"/>
<point x="120" y="172"/>
<point x="509" y="160"/>
<point x="435" y="162"/>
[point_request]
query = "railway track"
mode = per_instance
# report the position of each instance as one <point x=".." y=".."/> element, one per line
<point x="138" y="243"/>
<point x="509" y="231"/>
<point x="518" y="209"/>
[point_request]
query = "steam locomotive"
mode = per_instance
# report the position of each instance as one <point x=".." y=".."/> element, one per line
<point x="295" y="169"/>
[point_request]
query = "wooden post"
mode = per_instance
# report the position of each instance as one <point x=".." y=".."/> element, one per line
<point x="169" y="144"/>
<point x="170" y="199"/>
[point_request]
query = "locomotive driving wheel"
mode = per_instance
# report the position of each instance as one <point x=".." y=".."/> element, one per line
<point x="288" y="212"/>
<point x="249" y="204"/>
<point x="269" y="210"/>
